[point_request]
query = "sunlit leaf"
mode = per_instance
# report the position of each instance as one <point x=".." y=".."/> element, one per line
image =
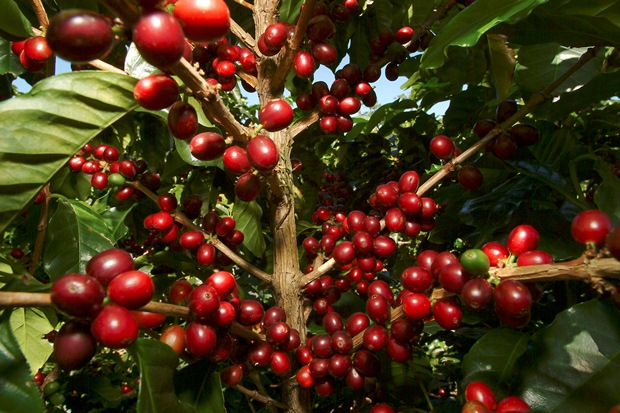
<point x="18" y="393"/>
<point x="572" y="364"/>
<point x="247" y="216"/>
<point x="12" y="20"/>
<point x="502" y="59"/>
<point x="50" y="124"/>
<point x="471" y="23"/>
<point x="30" y="325"/>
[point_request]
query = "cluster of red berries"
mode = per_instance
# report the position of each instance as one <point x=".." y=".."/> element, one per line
<point x="81" y="296"/>
<point x="105" y="167"/>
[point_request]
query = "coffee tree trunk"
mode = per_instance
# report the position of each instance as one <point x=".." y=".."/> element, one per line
<point x="286" y="271"/>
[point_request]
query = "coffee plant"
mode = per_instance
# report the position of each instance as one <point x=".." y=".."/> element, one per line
<point x="169" y="246"/>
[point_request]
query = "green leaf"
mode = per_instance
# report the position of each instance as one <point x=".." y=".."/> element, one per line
<point x="247" y="216"/>
<point x="114" y="219"/>
<point x="289" y="10"/>
<point x="607" y="195"/>
<point x="572" y="364"/>
<point x="157" y="363"/>
<point x="492" y="358"/>
<point x="18" y="393"/>
<point x="471" y="23"/>
<point x="502" y="59"/>
<point x="603" y="86"/>
<point x="541" y="64"/>
<point x="87" y="231"/>
<point x="29" y="326"/>
<point x="9" y="62"/>
<point x="569" y="22"/>
<point x="199" y="385"/>
<point x="13" y="21"/>
<point x="49" y="125"/>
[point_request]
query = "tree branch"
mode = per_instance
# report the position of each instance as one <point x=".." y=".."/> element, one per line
<point x="304" y="123"/>
<point x="242" y="35"/>
<point x="318" y="272"/>
<point x="534" y="101"/>
<point x="254" y="395"/>
<point x="39" y="10"/>
<point x="277" y="82"/>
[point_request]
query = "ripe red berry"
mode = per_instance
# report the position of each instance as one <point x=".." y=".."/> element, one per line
<point x="203" y="20"/>
<point x="156" y="92"/>
<point x="262" y="153"/>
<point x="207" y="146"/>
<point x="442" y="147"/>
<point x="481" y="392"/>
<point x="131" y="289"/>
<point x="182" y="120"/>
<point x="591" y="226"/>
<point x="108" y="264"/>
<point x="115" y="327"/>
<point x="74" y="345"/>
<point x="80" y="35"/>
<point x="200" y="339"/>
<point x="159" y="38"/>
<point x="275" y="115"/>
<point x="522" y="238"/>
<point x="77" y="295"/>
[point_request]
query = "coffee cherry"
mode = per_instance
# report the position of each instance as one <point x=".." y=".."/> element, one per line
<point x="512" y="298"/>
<point x="448" y="313"/>
<point x="304" y="65"/>
<point x="207" y="146"/>
<point x="416" y="279"/>
<point x="203" y="301"/>
<point x="156" y="92"/>
<point x="591" y="226"/>
<point x="275" y="115"/>
<point x="521" y="239"/>
<point x="612" y="241"/>
<point x="108" y="264"/>
<point x="115" y="327"/>
<point x="524" y="134"/>
<point x="262" y="153"/>
<point x="477" y="293"/>
<point x="280" y="363"/>
<point x="324" y="53"/>
<point x="375" y="338"/>
<point x="442" y="147"/>
<point x="356" y="323"/>
<point x="232" y="375"/>
<point x="159" y="38"/>
<point x="131" y="289"/>
<point x="378" y="309"/>
<point x="249" y="313"/>
<point x="470" y="177"/>
<point x="259" y="354"/>
<point x="77" y="295"/>
<point x="511" y="404"/>
<point x="416" y="306"/>
<point x="147" y="320"/>
<point x="74" y="345"/>
<point x="304" y="377"/>
<point x="200" y="339"/>
<point x="248" y="187"/>
<point x="474" y="406"/>
<point x="496" y="252"/>
<point x="80" y="35"/>
<point x="366" y="363"/>
<point x="482" y="393"/>
<point x="203" y="20"/>
<point x="191" y="240"/>
<point x="534" y="257"/>
<point x="182" y="120"/>
<point x="236" y="160"/>
<point x="37" y="49"/>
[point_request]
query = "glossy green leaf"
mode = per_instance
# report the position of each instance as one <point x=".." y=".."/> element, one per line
<point x="9" y="62"/>
<point x="13" y="21"/>
<point x="492" y="358"/>
<point x="29" y="326"/>
<point x="247" y="217"/>
<point x="114" y="219"/>
<point x="572" y="364"/>
<point x="540" y="65"/>
<point x="50" y="124"/>
<point x="602" y="86"/>
<point x="471" y="23"/>
<point x="289" y="10"/>
<point x="157" y="363"/>
<point x="79" y="222"/>
<point x="569" y="22"/>
<point x="18" y="394"/>
<point x="502" y="59"/>
<point x="199" y="385"/>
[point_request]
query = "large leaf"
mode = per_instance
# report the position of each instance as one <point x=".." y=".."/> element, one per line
<point x="12" y="20"/>
<point x="247" y="216"/>
<point x="470" y="24"/>
<point x="44" y="128"/>
<point x="18" y="394"/>
<point x="492" y="358"/>
<point x="157" y="363"/>
<point x="199" y="385"/>
<point x="572" y="364"/>
<point x="607" y="195"/>
<point x="30" y="325"/>
<point x="570" y="23"/>
<point x="541" y="64"/>
<point x="77" y="224"/>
